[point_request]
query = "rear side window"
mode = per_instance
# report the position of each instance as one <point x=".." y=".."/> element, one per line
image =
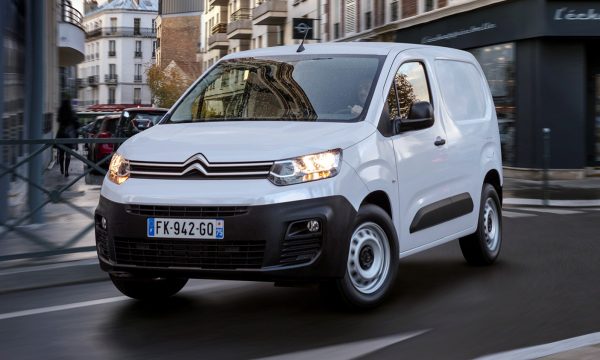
<point x="462" y="89"/>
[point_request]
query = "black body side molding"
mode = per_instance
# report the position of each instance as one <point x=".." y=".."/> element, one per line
<point x="442" y="211"/>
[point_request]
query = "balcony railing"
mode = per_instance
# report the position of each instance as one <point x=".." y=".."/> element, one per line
<point x="270" y="12"/>
<point x="219" y="28"/>
<point x="111" y="78"/>
<point x="137" y="78"/>
<point x="120" y="32"/>
<point x="212" y="3"/>
<point x="240" y="26"/>
<point x="92" y="80"/>
<point x="137" y="54"/>
<point x="81" y="83"/>
<point x="112" y="53"/>
<point x="70" y="15"/>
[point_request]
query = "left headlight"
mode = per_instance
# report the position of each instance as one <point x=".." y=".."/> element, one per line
<point x="118" y="171"/>
<point x="306" y="168"/>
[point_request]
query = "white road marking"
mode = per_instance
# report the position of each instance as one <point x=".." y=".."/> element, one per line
<point x="351" y="350"/>
<point x="552" y="211"/>
<point x="511" y="214"/>
<point x="539" y="351"/>
<point x="77" y="305"/>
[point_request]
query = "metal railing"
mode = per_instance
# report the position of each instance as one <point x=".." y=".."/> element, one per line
<point x="52" y="196"/>
<point x="120" y="32"/>
<point x="70" y="15"/>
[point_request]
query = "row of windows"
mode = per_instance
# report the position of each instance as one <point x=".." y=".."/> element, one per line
<point x="114" y="24"/>
<point x="93" y="50"/>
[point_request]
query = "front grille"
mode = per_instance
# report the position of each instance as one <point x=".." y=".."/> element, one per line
<point x="183" y="253"/>
<point x="101" y="241"/>
<point x="198" y="167"/>
<point x="186" y="211"/>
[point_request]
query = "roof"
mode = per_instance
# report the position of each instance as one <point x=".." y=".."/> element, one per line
<point x="144" y="5"/>
<point x="335" y="48"/>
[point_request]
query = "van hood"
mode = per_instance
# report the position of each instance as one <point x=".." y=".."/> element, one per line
<point x="242" y="141"/>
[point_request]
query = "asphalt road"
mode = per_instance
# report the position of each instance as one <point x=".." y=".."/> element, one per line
<point x="544" y="288"/>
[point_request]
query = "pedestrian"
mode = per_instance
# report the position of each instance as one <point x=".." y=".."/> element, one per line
<point x="67" y="129"/>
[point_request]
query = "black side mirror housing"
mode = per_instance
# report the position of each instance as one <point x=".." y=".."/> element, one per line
<point x="420" y="116"/>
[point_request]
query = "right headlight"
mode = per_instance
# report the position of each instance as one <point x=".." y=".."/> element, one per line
<point x="306" y="168"/>
<point x="118" y="170"/>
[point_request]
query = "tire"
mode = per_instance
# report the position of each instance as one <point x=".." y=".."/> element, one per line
<point x="483" y="246"/>
<point x="142" y="288"/>
<point x="372" y="262"/>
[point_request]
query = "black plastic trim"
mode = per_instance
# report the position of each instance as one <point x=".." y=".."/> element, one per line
<point x="442" y="211"/>
<point x="268" y="224"/>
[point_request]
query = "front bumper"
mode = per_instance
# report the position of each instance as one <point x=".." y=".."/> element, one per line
<point x="263" y="242"/>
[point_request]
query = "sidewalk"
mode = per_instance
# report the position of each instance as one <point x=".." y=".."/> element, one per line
<point x="561" y="193"/>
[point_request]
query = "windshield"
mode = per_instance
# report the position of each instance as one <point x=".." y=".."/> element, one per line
<point x="317" y="88"/>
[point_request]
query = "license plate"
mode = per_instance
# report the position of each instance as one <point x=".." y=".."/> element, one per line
<point x="186" y="228"/>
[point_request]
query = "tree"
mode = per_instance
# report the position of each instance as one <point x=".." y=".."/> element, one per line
<point x="166" y="85"/>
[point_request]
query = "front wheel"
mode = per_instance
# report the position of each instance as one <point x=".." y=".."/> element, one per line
<point x="483" y="246"/>
<point x="146" y="288"/>
<point x="372" y="261"/>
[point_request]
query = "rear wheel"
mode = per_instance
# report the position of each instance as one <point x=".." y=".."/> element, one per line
<point x="483" y="246"/>
<point x="372" y="261"/>
<point x="148" y="288"/>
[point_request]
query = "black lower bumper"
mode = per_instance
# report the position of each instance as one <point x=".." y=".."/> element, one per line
<point x="266" y="242"/>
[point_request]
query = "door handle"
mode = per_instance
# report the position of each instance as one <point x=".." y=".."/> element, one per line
<point x="439" y="141"/>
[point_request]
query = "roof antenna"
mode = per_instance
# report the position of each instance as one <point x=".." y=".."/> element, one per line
<point x="302" y="28"/>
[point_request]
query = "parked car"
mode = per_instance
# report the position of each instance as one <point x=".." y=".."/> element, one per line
<point x="325" y="165"/>
<point x="135" y="120"/>
<point x="107" y="129"/>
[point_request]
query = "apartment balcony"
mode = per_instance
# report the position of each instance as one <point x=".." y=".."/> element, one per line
<point x="111" y="79"/>
<point x="218" y="39"/>
<point x="112" y="53"/>
<point x="81" y="83"/>
<point x="240" y="26"/>
<point x="270" y="12"/>
<point x="71" y="37"/>
<point x="137" y="78"/>
<point x="92" y="80"/>
<point x="120" y="32"/>
<point x="137" y="54"/>
<point x="218" y="3"/>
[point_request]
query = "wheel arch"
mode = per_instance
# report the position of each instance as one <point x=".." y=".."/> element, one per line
<point x="380" y="199"/>
<point x="492" y="177"/>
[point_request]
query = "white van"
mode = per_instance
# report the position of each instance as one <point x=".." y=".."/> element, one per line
<point x="324" y="166"/>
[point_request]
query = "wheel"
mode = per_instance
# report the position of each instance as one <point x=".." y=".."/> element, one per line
<point x="483" y="246"/>
<point x="143" y="288"/>
<point x="372" y="261"/>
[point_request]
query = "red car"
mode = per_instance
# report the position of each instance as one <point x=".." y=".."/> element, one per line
<point x="106" y="130"/>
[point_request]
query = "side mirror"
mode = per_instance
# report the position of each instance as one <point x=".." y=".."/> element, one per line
<point x="420" y="116"/>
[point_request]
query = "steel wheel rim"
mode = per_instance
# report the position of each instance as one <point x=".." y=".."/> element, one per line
<point x="491" y="225"/>
<point x="368" y="258"/>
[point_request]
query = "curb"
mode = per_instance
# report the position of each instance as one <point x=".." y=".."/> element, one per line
<point x="551" y="203"/>
<point x="57" y="274"/>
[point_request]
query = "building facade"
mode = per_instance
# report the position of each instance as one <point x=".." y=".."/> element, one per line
<point x="178" y="34"/>
<point x="542" y="63"/>
<point x="120" y="44"/>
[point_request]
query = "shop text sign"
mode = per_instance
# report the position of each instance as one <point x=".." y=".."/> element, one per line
<point x="458" y="33"/>
<point x="568" y="14"/>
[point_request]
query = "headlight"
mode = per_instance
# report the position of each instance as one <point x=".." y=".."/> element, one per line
<point x="118" y="171"/>
<point x="306" y="168"/>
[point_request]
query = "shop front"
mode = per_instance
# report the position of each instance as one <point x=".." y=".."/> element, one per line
<point x="542" y="62"/>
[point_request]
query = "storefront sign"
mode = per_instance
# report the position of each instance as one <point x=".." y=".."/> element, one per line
<point x="455" y="34"/>
<point x="576" y="15"/>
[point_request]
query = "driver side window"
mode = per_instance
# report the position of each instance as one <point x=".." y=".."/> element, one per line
<point x="410" y="86"/>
